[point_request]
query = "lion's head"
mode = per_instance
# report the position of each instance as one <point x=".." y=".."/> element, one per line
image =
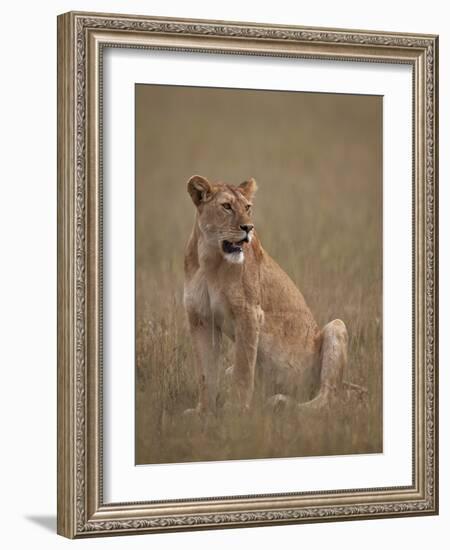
<point x="224" y="214"/>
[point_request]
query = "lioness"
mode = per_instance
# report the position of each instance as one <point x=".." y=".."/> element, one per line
<point x="233" y="286"/>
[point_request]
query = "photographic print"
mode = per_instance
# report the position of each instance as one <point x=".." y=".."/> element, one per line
<point x="258" y="302"/>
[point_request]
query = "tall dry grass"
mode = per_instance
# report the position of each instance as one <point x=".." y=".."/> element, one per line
<point x="317" y="159"/>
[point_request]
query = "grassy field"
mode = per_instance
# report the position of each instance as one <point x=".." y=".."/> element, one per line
<point x="318" y="162"/>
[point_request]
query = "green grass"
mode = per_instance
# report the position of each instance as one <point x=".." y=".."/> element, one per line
<point x="317" y="160"/>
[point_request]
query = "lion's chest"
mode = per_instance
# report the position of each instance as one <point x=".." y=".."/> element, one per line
<point x="209" y="303"/>
<point x="220" y="311"/>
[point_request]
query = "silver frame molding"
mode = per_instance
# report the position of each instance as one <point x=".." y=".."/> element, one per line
<point x="81" y="39"/>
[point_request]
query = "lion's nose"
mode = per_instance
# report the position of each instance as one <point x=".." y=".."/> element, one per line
<point x="247" y="227"/>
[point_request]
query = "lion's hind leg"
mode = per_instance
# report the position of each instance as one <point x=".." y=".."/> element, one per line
<point x="334" y="356"/>
<point x="333" y="363"/>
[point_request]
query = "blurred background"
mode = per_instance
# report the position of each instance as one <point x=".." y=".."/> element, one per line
<point x="317" y="159"/>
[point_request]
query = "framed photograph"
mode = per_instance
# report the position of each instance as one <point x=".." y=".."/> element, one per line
<point x="247" y="274"/>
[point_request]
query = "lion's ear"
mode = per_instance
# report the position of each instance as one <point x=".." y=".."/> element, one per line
<point x="248" y="188"/>
<point x="199" y="188"/>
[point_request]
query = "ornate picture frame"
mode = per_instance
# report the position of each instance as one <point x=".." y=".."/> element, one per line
<point x="82" y="39"/>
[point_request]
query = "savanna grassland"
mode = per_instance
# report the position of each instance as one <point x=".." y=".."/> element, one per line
<point x="317" y="159"/>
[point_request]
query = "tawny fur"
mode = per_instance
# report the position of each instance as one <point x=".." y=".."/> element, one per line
<point x="248" y="297"/>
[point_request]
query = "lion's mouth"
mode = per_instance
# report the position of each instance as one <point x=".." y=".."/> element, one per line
<point x="234" y="247"/>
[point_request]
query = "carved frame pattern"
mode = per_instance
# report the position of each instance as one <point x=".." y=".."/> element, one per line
<point x="81" y="511"/>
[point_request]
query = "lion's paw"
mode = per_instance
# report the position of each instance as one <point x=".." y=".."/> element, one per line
<point x="279" y="403"/>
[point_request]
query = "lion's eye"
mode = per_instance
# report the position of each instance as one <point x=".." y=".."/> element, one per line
<point x="248" y="207"/>
<point x="226" y="205"/>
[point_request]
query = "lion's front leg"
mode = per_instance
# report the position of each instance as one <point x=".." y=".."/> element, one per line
<point x="206" y="341"/>
<point x="246" y="348"/>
